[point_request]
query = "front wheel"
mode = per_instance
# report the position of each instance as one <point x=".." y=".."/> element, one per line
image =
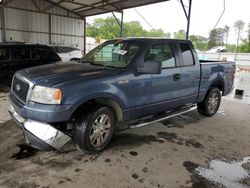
<point x="211" y="103"/>
<point x="94" y="129"/>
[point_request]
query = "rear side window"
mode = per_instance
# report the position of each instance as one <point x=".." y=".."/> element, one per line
<point x="187" y="55"/>
<point x="46" y="54"/>
<point x="20" y="53"/>
<point x="161" y="52"/>
<point x="4" y="54"/>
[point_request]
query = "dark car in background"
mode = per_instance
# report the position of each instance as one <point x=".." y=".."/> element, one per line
<point x="17" y="56"/>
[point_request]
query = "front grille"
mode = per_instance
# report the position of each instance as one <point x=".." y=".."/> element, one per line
<point x="20" y="89"/>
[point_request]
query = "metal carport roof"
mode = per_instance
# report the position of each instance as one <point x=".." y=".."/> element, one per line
<point x="81" y="9"/>
<point x="85" y="8"/>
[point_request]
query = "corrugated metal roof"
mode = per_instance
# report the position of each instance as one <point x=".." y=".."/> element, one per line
<point x="85" y="8"/>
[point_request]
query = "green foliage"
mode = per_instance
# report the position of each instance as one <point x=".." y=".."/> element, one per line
<point x="199" y="42"/>
<point x="108" y="28"/>
<point x="104" y="28"/>
<point x="245" y="46"/>
<point x="181" y="34"/>
<point x="231" y="48"/>
<point x="216" y="37"/>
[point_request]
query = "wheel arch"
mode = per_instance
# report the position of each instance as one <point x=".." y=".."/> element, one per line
<point x="113" y="103"/>
<point x="219" y="83"/>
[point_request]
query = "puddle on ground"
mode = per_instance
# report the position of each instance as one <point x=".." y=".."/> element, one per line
<point x="235" y="174"/>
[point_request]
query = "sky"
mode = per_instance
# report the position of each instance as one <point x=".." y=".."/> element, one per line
<point x="170" y="17"/>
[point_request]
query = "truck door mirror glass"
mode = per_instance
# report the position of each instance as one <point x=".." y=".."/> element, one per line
<point x="150" y="67"/>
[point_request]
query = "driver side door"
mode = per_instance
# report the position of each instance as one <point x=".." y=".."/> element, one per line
<point x="161" y="91"/>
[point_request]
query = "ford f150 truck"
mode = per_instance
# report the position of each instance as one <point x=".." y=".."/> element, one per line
<point x="122" y="83"/>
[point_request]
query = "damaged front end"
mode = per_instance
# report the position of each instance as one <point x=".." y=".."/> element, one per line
<point x="40" y="135"/>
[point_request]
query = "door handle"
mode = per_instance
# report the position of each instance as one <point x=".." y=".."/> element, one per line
<point x="176" y="77"/>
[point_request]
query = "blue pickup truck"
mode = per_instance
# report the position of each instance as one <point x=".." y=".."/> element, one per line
<point x="122" y="83"/>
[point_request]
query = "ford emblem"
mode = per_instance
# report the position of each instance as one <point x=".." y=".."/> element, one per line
<point x="18" y="88"/>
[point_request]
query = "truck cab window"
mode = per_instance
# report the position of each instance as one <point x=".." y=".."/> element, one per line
<point x="161" y="53"/>
<point x="187" y="55"/>
<point x="21" y="53"/>
<point x="46" y="54"/>
<point x="4" y="54"/>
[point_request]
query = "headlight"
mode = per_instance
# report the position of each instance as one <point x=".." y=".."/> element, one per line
<point x="46" y="95"/>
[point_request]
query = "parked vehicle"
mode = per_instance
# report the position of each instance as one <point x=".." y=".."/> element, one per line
<point x="123" y="83"/>
<point x="217" y="49"/>
<point x="68" y="53"/>
<point x="17" y="56"/>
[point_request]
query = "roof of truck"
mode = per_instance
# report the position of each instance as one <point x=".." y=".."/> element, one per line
<point x="151" y="38"/>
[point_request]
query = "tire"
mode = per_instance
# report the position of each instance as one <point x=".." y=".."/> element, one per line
<point x="211" y="103"/>
<point x="94" y="129"/>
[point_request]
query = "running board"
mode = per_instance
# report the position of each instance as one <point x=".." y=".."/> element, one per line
<point x="161" y="118"/>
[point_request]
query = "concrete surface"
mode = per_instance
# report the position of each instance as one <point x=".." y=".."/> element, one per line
<point x="159" y="155"/>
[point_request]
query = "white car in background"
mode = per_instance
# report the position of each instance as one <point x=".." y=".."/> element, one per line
<point x="217" y="49"/>
<point x="68" y="53"/>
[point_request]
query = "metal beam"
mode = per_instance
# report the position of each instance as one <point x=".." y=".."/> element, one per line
<point x="91" y="6"/>
<point x="52" y="2"/>
<point x="50" y="40"/>
<point x="188" y="19"/>
<point x="36" y="5"/>
<point x="53" y="5"/>
<point x="188" y="15"/>
<point x="121" y="31"/>
<point x="42" y="32"/>
<point x="3" y="22"/>
<point x="84" y="37"/>
<point x="43" y="12"/>
<point x="7" y="2"/>
<point x="120" y="22"/>
<point x="184" y="9"/>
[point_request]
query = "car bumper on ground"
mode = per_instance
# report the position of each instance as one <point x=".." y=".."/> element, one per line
<point x="40" y="135"/>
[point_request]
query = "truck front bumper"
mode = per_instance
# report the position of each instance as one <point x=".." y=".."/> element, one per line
<point x="40" y="135"/>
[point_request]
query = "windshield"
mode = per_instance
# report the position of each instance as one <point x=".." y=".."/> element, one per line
<point x="115" y="53"/>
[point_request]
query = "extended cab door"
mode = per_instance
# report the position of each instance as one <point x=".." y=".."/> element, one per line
<point x="190" y="73"/>
<point x="161" y="91"/>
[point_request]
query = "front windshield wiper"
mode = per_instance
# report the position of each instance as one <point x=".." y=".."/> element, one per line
<point x="101" y="65"/>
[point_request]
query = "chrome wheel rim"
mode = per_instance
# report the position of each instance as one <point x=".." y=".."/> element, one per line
<point x="213" y="102"/>
<point x="100" y="130"/>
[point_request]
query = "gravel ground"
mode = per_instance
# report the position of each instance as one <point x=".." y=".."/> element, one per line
<point x="159" y="155"/>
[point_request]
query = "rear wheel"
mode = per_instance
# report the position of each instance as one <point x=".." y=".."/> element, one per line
<point x="211" y="103"/>
<point x="93" y="130"/>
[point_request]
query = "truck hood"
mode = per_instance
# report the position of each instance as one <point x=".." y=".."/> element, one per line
<point x="58" y="73"/>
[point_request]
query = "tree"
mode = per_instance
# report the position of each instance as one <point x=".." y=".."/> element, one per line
<point x="181" y="34"/>
<point x="199" y="42"/>
<point x="104" y="28"/>
<point x="108" y="28"/>
<point x="226" y="32"/>
<point x="245" y="46"/>
<point x="239" y="26"/>
<point x="216" y="37"/>
<point x="158" y="33"/>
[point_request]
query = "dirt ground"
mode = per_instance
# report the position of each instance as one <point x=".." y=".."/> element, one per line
<point x="159" y="155"/>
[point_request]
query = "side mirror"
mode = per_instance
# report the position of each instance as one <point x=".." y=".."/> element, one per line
<point x="150" y="67"/>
